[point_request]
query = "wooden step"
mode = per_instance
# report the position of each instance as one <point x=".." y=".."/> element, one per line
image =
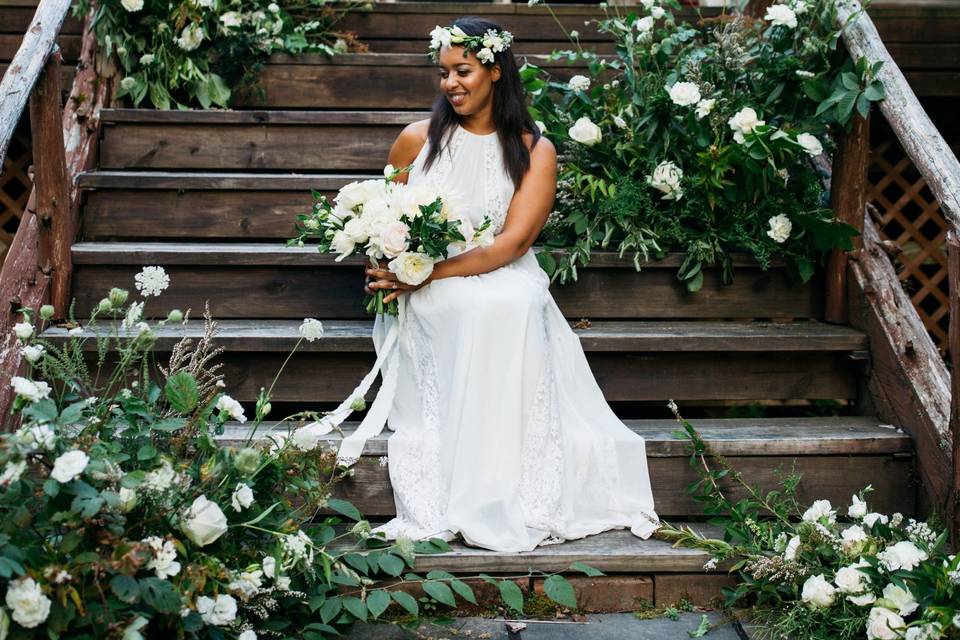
<point x="837" y="457"/>
<point x="274" y="281"/>
<point x="632" y="361"/>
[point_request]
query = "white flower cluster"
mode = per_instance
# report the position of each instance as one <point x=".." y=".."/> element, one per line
<point x="151" y="281"/>
<point x="164" y="561"/>
<point x="486" y="45"/>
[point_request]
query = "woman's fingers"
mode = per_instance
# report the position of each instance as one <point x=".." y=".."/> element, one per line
<point x="380" y="273"/>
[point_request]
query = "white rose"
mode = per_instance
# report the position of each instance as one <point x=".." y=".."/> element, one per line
<point x="585" y="132"/>
<point x="790" y="553"/>
<point x="308" y="437"/>
<point x="231" y="19"/>
<point x="704" y="107"/>
<point x="851" y="580"/>
<point x="872" y="518"/>
<point x="862" y="600"/>
<point x="820" y="509"/>
<point x="132" y="5"/>
<point x="883" y="624"/>
<point x="810" y="144"/>
<point x="780" y="15"/>
<point x="780" y="228"/>
<point x="656" y="12"/>
<point x="858" y="508"/>
<point x="231" y="407"/>
<point x="743" y="122"/>
<point x="579" y="83"/>
<point x="853" y="538"/>
<point x="684" y="94"/>
<point x="902" y="599"/>
<point x="23" y="330"/>
<point x="32" y="353"/>
<point x="204" y="522"/>
<point x="817" y="592"/>
<point x="342" y="244"/>
<point x="485" y="55"/>
<point x="411" y="268"/>
<point x="191" y="37"/>
<point x="666" y="178"/>
<point x="219" y="612"/>
<point x="903" y="555"/>
<point x="644" y="25"/>
<point x="311" y="329"/>
<point x="69" y="466"/>
<point x="394" y="239"/>
<point x="242" y="497"/>
<point x="32" y="390"/>
<point x="28" y="606"/>
<point x="38" y="435"/>
<point x="356" y="230"/>
<point x="12" y="472"/>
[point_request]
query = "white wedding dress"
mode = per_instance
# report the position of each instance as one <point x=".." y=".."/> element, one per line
<point x="500" y="431"/>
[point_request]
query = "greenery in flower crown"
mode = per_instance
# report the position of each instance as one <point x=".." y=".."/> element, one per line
<point x="190" y="53"/>
<point x="486" y="46"/>
<point x="805" y="573"/>
<point x="138" y="501"/>
<point x="700" y="138"/>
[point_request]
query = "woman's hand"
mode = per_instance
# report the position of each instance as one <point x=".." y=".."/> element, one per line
<point x="380" y="279"/>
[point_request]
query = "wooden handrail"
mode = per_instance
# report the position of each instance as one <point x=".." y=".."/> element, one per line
<point x="39" y="42"/>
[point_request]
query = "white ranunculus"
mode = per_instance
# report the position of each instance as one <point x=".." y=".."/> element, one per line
<point x="28" y="606"/>
<point x="810" y="144"/>
<point x="790" y="553"/>
<point x="666" y="178"/>
<point x="69" y="466"/>
<point x="242" y="497"/>
<point x="220" y="612"/>
<point x="307" y="438"/>
<point x="873" y="518"/>
<point x="132" y="5"/>
<point x="684" y="94"/>
<point x="862" y="600"/>
<point x="780" y="15"/>
<point x="853" y="538"/>
<point x="12" y="472"/>
<point x="191" y="37"/>
<point x="32" y="353"/>
<point x="902" y="555"/>
<point x="744" y="122"/>
<point x="23" y="330"/>
<point x="231" y="407"/>
<point x="579" y="83"/>
<point x="485" y="55"/>
<point x="883" y="624"/>
<point x="395" y="239"/>
<point x="817" y="592"/>
<point x="311" y="329"/>
<point x="704" y="107"/>
<point x="858" y="508"/>
<point x="851" y="580"/>
<point x="644" y="25"/>
<point x="32" y="390"/>
<point x="901" y="598"/>
<point x="780" y="228"/>
<point x="203" y="522"/>
<point x="585" y="132"/>
<point x="411" y="268"/>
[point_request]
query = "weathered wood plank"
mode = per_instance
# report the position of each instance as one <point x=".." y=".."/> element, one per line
<point x="16" y="20"/>
<point x="217" y="181"/>
<point x="604" y="335"/>
<point x="10" y="42"/>
<point x="258" y="117"/>
<point x="852" y="435"/>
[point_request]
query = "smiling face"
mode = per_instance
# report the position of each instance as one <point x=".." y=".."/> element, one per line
<point x="466" y="83"/>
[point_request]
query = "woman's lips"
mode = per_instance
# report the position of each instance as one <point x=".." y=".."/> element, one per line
<point x="457" y="99"/>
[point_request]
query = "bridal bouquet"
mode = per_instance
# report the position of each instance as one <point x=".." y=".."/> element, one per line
<point x="413" y="226"/>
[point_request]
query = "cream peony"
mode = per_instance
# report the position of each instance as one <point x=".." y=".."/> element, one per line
<point x="242" y="497"/>
<point x="28" y="606"/>
<point x="579" y="83"/>
<point x="817" y="592"/>
<point x="780" y="228"/>
<point x="902" y="599"/>
<point x="411" y="268"/>
<point x="883" y="624"/>
<point x="851" y="580"/>
<point x="203" y="522"/>
<point x="585" y="132"/>
<point x="744" y="122"/>
<point x="666" y="178"/>
<point x="780" y="15"/>
<point x="69" y="466"/>
<point x="684" y="94"/>
<point x="810" y="144"/>
<point x="903" y="555"/>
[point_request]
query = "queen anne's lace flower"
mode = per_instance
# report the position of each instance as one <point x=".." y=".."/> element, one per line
<point x="152" y="281"/>
<point x="579" y="83"/>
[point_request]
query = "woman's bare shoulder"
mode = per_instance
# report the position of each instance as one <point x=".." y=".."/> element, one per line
<point x="544" y="147"/>
<point x="409" y="142"/>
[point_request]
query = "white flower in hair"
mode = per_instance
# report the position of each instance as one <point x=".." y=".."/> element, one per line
<point x="485" y="55"/>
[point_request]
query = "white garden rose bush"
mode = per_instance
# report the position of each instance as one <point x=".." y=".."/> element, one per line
<point x="122" y="515"/>
<point x="200" y="53"/>
<point x="736" y="109"/>
<point x="823" y="571"/>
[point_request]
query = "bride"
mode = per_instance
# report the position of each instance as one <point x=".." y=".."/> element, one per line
<point x="501" y="433"/>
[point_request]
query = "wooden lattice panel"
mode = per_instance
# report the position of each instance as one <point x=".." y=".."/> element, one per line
<point x="911" y="217"/>
<point x="14" y="186"/>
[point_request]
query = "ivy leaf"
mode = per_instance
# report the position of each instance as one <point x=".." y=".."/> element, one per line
<point x="559" y="590"/>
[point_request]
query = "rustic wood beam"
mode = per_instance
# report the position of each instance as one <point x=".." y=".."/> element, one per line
<point x="847" y="199"/>
<point x="953" y="342"/>
<point x="18" y="82"/>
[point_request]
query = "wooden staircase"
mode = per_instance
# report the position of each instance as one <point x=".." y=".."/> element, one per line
<point x="211" y="196"/>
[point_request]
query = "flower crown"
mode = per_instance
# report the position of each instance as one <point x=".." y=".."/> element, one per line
<point x="491" y="42"/>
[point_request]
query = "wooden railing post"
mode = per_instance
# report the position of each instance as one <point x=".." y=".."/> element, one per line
<point x="953" y="342"/>
<point x="847" y="200"/>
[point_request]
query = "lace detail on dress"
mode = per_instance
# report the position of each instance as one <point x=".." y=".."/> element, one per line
<point x="493" y="162"/>
<point x="444" y="161"/>
<point x="415" y="468"/>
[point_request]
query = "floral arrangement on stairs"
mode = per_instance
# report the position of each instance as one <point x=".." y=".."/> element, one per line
<point x="122" y="515"/>
<point x="700" y="138"/>
<point x="875" y="576"/>
<point x="193" y="53"/>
